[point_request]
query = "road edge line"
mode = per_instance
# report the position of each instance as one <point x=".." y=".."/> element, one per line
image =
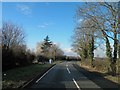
<point x="26" y="84"/>
<point x="76" y="84"/>
<point x="44" y="74"/>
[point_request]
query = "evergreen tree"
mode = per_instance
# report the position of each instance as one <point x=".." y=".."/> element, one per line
<point x="46" y="46"/>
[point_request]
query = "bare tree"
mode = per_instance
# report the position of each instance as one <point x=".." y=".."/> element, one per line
<point x="85" y="37"/>
<point x="12" y="35"/>
<point x="55" y="51"/>
<point x="79" y="42"/>
<point x="105" y="15"/>
<point x="13" y="46"/>
<point x="38" y="48"/>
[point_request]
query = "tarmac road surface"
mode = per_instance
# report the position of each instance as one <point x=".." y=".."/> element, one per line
<point x="68" y="75"/>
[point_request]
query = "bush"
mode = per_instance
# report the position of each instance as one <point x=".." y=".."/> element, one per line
<point x="30" y="57"/>
<point x="43" y="59"/>
<point x="8" y="60"/>
<point x="11" y="59"/>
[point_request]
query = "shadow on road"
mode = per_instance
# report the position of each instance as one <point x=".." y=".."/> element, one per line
<point x="98" y="79"/>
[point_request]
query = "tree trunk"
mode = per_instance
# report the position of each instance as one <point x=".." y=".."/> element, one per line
<point x="115" y="47"/>
<point x="91" y="51"/>
<point x="113" y="63"/>
<point x="119" y="51"/>
<point x="109" y="55"/>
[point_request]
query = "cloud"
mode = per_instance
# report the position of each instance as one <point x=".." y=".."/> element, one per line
<point x="43" y="25"/>
<point x="69" y="52"/>
<point x="57" y="43"/>
<point x="24" y="9"/>
<point x="79" y="20"/>
<point x="100" y="51"/>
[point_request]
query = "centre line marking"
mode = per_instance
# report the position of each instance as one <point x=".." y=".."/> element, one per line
<point x="44" y="74"/>
<point x="66" y="65"/>
<point x="68" y="70"/>
<point x="76" y="84"/>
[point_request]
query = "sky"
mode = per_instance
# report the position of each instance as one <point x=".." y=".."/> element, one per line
<point x="41" y="19"/>
<point x="55" y="19"/>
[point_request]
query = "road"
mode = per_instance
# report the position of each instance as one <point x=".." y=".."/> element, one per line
<point x="66" y="76"/>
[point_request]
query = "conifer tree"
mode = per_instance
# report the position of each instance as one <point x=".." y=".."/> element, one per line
<point x="46" y="46"/>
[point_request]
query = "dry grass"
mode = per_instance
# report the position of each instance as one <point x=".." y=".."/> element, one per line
<point x="102" y="67"/>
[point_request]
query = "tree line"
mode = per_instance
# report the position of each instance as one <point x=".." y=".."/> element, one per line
<point x="15" y="52"/>
<point x="97" y="23"/>
<point x="48" y="50"/>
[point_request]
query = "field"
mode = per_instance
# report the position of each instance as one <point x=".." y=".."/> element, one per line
<point x="14" y="78"/>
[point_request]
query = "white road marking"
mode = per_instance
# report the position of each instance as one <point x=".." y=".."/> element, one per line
<point x="44" y="74"/>
<point x="66" y="65"/>
<point x="68" y="70"/>
<point x="76" y="84"/>
<point x="27" y="83"/>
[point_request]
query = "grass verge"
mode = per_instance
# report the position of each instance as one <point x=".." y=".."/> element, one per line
<point x="101" y="68"/>
<point x="15" y="78"/>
